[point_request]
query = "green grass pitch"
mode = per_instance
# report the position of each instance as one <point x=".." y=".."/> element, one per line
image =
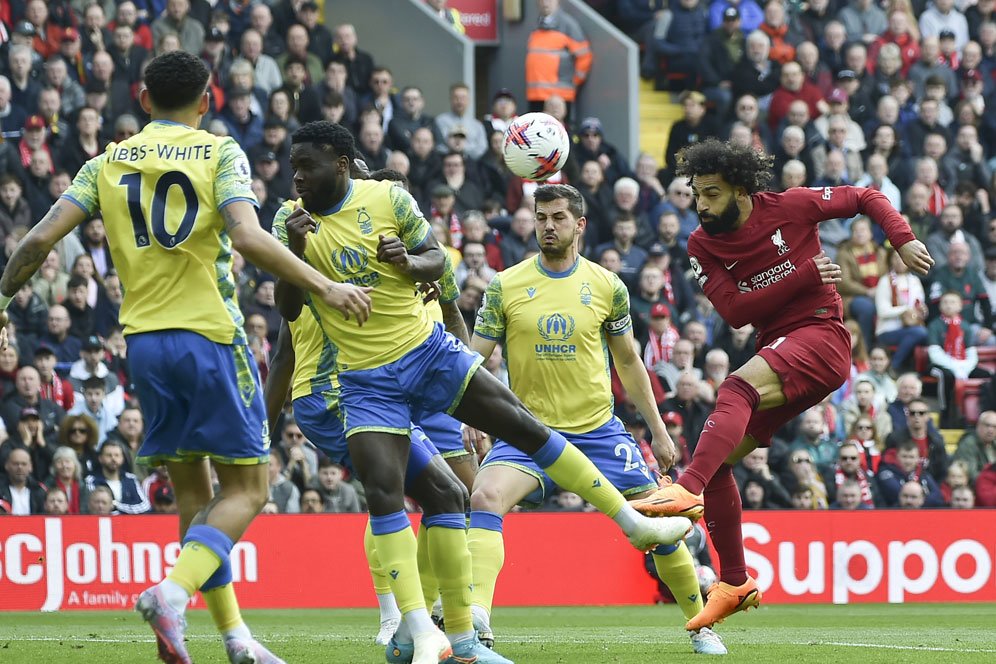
<point x="906" y="634"/>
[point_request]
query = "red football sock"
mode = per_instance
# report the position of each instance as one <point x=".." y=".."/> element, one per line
<point x="723" y="516"/>
<point x="724" y="430"/>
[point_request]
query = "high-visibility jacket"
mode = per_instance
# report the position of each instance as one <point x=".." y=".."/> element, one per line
<point x="558" y="58"/>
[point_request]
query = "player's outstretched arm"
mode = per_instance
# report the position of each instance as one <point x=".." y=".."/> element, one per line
<point x="264" y="251"/>
<point x="294" y="229"/>
<point x="278" y="380"/>
<point x="32" y="250"/>
<point x="636" y="382"/>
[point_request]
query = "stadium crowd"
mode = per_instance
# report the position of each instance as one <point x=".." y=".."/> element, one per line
<point x="891" y="96"/>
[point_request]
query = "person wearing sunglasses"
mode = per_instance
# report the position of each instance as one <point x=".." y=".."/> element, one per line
<point x="849" y="472"/>
<point x="928" y="440"/>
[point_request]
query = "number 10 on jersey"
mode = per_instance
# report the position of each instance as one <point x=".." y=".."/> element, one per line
<point x="133" y="183"/>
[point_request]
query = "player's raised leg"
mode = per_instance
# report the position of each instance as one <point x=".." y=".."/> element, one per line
<point x="488" y="405"/>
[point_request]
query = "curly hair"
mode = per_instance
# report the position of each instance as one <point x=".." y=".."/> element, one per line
<point x="176" y="80"/>
<point x="740" y="166"/>
<point x="327" y="134"/>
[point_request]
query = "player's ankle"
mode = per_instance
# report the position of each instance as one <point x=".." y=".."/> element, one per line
<point x="240" y="632"/>
<point x="174" y="594"/>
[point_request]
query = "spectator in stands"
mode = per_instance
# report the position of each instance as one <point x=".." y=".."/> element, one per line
<point x="412" y="116"/>
<point x="865" y="402"/>
<point x="28" y="434"/>
<point x="907" y="468"/>
<point x="28" y="395"/>
<point x="243" y="125"/>
<point x="660" y="333"/>
<point x="100" y="501"/>
<point x="862" y="264"/>
<point x="809" y="491"/>
<point x="282" y="490"/>
<point x="863" y="20"/>
<point x="848" y="497"/>
<point x="960" y="276"/>
<point x="359" y="63"/>
<point x="952" y="356"/>
<point x="14" y="209"/>
<point x="750" y="14"/>
<point x="957" y="478"/>
<point x="127" y="54"/>
<point x="908" y="387"/>
<point x="267" y="72"/>
<point x="80" y="312"/>
<point x="878" y="375"/>
<point x="67" y="478"/>
<point x="940" y="17"/>
<point x="930" y="66"/>
<point x="53" y="387"/>
<point x="92" y="405"/>
<point x="177" y="19"/>
<point x="130" y="432"/>
<point x="783" y="34"/>
<point x="29" y="315"/>
<point x="977" y="448"/>
<point x="461" y="114"/>
<point x="755" y="74"/>
<point x="687" y="401"/>
<point x="474" y="264"/>
<point x="912" y="496"/>
<point x="985" y="487"/>
<point x="558" y="57"/>
<point x="467" y="194"/>
<point x="338" y="495"/>
<point x="79" y="433"/>
<point x="695" y="126"/>
<point x="300" y="460"/>
<point x="312" y="502"/>
<point x="917" y="210"/>
<point x="967" y="158"/>
<point x="877" y="177"/>
<point x="813" y="439"/>
<point x="928" y="440"/>
<point x="129" y="498"/>
<point x="754" y="468"/>
<point x="19" y="489"/>
<point x="593" y="146"/>
<point x="962" y="498"/>
<point x="807" y="54"/>
<point x="9" y="364"/>
<point x="632" y="256"/>
<point x="850" y="169"/>
<point x="899" y="32"/>
<point x="851" y="468"/>
<point x="265" y="305"/>
<point x="111" y="296"/>
<point x="900" y="306"/>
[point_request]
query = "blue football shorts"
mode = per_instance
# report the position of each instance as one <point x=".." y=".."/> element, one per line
<point x="199" y="399"/>
<point x="610" y="448"/>
<point x="318" y="416"/>
<point x="428" y="379"/>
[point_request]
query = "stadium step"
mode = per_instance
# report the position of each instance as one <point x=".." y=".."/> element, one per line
<point x="658" y="111"/>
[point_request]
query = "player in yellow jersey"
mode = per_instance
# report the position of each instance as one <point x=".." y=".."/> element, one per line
<point x="304" y="357"/>
<point x="175" y="201"/>
<point x="559" y="316"/>
<point x="401" y="364"/>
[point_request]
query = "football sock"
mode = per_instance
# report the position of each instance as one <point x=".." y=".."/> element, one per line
<point x="447" y="539"/>
<point x="572" y="470"/>
<point x="676" y="568"/>
<point x="722" y="516"/>
<point x="204" y="549"/>
<point x="396" y="548"/>
<point x="382" y="588"/>
<point x="735" y="402"/>
<point x="430" y="585"/>
<point x="487" y="555"/>
<point x="219" y="595"/>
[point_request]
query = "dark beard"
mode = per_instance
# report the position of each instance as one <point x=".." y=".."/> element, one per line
<point x="726" y="222"/>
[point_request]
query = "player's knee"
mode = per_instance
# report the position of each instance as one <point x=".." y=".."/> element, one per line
<point x="384" y="500"/>
<point x="449" y="496"/>
<point x="486" y="498"/>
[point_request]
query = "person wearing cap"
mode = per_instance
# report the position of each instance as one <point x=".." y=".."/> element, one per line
<point x="558" y="57"/>
<point x="747" y="14"/>
<point x="20" y="493"/>
<point x="864" y="20"/>
<point x="941" y="17"/>
<point x="28" y="434"/>
<point x="592" y="146"/>
<point x="177" y="19"/>
<point x="91" y="364"/>
<point x="27" y="394"/>
<point x="503" y="111"/>
<point x="410" y="116"/>
<point x="839" y="103"/>
<point x="461" y="113"/>
<point x="662" y="335"/>
<point x="721" y="51"/>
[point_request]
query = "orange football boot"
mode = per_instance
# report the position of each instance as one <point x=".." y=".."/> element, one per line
<point x="723" y="601"/>
<point x="671" y="500"/>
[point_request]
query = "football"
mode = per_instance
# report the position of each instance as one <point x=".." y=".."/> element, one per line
<point x="706" y="577"/>
<point x="536" y="146"/>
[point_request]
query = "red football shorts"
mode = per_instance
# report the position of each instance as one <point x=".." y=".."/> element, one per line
<point x="812" y="362"/>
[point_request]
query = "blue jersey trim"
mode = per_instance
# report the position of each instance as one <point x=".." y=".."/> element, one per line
<point x="486" y="336"/>
<point x="255" y="204"/>
<point x="75" y="202"/>
<point x="338" y="206"/>
<point x="558" y="275"/>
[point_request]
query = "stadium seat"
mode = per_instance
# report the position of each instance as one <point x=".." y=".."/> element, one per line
<point x="951" y="438"/>
<point x="987" y="358"/>
<point x="968" y="398"/>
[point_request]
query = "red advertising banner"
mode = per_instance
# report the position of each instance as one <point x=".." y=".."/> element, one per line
<point x="315" y="561"/>
<point x="479" y="18"/>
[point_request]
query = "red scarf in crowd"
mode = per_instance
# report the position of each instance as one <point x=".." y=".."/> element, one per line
<point x="660" y="346"/>
<point x="954" y="338"/>
<point x="861" y="478"/>
<point x="938" y="200"/>
<point x="668" y="289"/>
<point x="867" y="267"/>
<point x="72" y="492"/>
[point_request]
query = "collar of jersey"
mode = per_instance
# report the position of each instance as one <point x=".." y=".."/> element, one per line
<point x="173" y="124"/>
<point x="558" y="275"/>
<point x="338" y="206"/>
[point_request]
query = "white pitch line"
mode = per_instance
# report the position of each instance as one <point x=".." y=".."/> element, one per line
<point x="845" y="644"/>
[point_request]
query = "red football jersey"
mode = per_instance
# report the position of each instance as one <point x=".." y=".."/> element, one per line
<point x="762" y="273"/>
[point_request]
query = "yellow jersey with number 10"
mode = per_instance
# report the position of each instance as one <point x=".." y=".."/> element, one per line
<point x="344" y="248"/>
<point x="160" y="193"/>
<point x="554" y="327"/>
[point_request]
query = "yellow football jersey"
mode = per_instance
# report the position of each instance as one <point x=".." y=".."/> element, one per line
<point x="553" y="328"/>
<point x="344" y="248"/>
<point x="160" y="193"/>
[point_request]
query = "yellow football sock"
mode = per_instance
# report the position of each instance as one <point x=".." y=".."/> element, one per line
<point x="487" y="555"/>
<point x="451" y="561"/>
<point x="195" y="565"/>
<point x="677" y="571"/>
<point x="224" y="607"/>
<point x="397" y="553"/>
<point x="380" y="583"/>
<point x="430" y="585"/>
<point x="573" y="471"/>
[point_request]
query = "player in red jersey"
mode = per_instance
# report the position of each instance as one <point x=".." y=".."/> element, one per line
<point x="757" y="257"/>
